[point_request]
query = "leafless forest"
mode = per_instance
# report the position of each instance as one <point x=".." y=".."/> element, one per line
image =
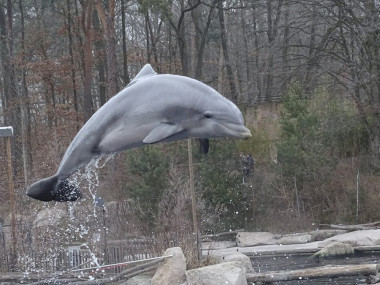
<point x="305" y="73"/>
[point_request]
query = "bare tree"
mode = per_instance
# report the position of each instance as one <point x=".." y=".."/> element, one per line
<point x="201" y="32"/>
<point x="357" y="35"/>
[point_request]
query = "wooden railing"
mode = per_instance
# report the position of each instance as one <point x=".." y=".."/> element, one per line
<point x="75" y="256"/>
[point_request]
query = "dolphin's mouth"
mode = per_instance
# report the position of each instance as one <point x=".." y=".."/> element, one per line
<point x="246" y="134"/>
<point x="239" y="131"/>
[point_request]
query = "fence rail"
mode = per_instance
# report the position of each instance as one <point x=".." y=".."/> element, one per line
<point x="75" y="256"/>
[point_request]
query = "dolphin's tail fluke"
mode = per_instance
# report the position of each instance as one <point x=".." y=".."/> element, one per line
<point x="53" y="189"/>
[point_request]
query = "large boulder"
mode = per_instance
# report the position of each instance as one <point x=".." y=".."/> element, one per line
<point x="228" y="273"/>
<point x="254" y="238"/>
<point x="295" y="239"/>
<point x="172" y="270"/>
<point x="240" y="259"/>
<point x="49" y="217"/>
<point x="319" y="235"/>
<point x="335" y="249"/>
<point x="357" y="238"/>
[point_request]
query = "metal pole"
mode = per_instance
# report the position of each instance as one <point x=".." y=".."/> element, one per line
<point x="12" y="203"/>
<point x="193" y="198"/>
<point x="298" y="202"/>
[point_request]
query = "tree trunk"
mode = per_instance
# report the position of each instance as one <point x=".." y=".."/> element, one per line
<point x="153" y="39"/>
<point x="100" y="61"/>
<point x="126" y="78"/>
<point x="11" y="105"/>
<point x="272" y="31"/>
<point x="180" y="31"/>
<point x="108" y="22"/>
<point x="146" y="21"/>
<point x="257" y="55"/>
<point x="87" y="12"/>
<point x="247" y="76"/>
<point x="307" y="82"/>
<point x="285" y="51"/>
<point x="181" y="39"/>
<point x="6" y="59"/>
<point x="25" y="108"/>
<point x="200" y="36"/>
<point x="223" y="38"/>
<point x="72" y="62"/>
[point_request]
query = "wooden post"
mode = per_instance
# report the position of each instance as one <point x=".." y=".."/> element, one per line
<point x="357" y="198"/>
<point x="193" y="198"/>
<point x="7" y="132"/>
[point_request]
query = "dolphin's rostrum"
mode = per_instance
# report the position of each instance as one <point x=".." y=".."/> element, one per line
<point x="152" y="108"/>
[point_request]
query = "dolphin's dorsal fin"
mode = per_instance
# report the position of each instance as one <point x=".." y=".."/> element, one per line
<point x="145" y="72"/>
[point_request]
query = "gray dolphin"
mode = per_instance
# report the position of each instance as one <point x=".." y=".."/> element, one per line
<point x="152" y="108"/>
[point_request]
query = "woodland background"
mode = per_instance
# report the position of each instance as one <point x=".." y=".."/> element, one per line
<point x="305" y="73"/>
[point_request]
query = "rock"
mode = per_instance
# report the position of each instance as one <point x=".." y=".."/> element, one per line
<point x="172" y="270"/>
<point x="357" y="238"/>
<point x="319" y="235"/>
<point x="49" y="217"/>
<point x="254" y="238"/>
<point x="211" y="245"/>
<point x="335" y="249"/>
<point x="295" y="239"/>
<point x="228" y="273"/>
<point x="241" y="260"/>
<point x="143" y="279"/>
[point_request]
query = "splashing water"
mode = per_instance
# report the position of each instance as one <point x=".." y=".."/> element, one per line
<point x="72" y="225"/>
<point x="92" y="222"/>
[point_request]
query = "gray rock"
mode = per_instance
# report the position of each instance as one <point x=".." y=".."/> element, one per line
<point x="210" y="245"/>
<point x="335" y="249"/>
<point x="228" y="273"/>
<point x="357" y="238"/>
<point x="240" y="259"/>
<point x="172" y="270"/>
<point x="143" y="279"/>
<point x="49" y="217"/>
<point x="295" y="239"/>
<point x="254" y="238"/>
<point x="319" y="235"/>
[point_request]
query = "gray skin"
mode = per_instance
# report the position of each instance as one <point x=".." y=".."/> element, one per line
<point x="152" y="108"/>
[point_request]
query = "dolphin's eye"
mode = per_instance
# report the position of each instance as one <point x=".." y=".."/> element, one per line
<point x="207" y="115"/>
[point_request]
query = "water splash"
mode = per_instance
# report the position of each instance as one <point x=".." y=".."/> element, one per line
<point x="80" y="223"/>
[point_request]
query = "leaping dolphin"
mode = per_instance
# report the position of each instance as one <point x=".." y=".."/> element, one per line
<point x="152" y="108"/>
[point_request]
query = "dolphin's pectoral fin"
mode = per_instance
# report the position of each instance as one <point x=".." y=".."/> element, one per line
<point x="162" y="131"/>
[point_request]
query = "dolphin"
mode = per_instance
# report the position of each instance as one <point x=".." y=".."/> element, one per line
<point x="151" y="109"/>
